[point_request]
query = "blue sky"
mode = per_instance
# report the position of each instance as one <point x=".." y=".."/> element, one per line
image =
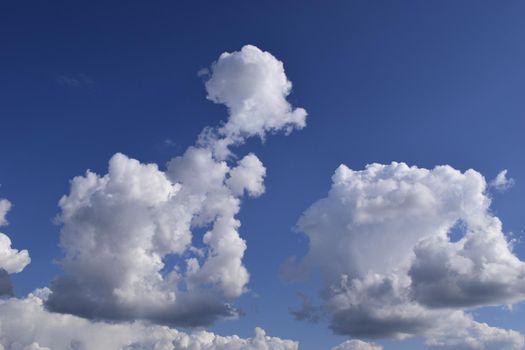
<point x="426" y="83"/>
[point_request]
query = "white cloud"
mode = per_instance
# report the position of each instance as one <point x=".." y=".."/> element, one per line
<point x="356" y="344"/>
<point x="131" y="237"/>
<point x="26" y="325"/>
<point x="11" y="260"/>
<point x="253" y="86"/>
<point x="501" y="182"/>
<point x="247" y="176"/>
<point x="460" y="332"/>
<point x="385" y="240"/>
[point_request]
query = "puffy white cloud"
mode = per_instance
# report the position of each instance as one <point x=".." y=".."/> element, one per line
<point x="253" y="86"/>
<point x="11" y="260"/>
<point x="460" y="332"/>
<point x="356" y="344"/>
<point x="501" y="182"/>
<point x="131" y="238"/>
<point x="26" y="325"/>
<point x="247" y="176"/>
<point x="400" y="248"/>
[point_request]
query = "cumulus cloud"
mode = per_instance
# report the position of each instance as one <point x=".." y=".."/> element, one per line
<point x="253" y="86"/>
<point x="501" y="182"/>
<point x="460" y="332"/>
<point x="132" y="237"/>
<point x="26" y="325"/>
<point x="356" y="344"/>
<point x="11" y="260"/>
<point x="385" y="242"/>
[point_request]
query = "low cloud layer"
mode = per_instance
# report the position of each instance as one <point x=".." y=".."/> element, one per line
<point x="355" y="344"/>
<point x="404" y="250"/>
<point x="26" y="325"/>
<point x="141" y="242"/>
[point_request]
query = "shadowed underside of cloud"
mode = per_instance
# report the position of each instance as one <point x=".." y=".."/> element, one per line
<point x="129" y="237"/>
<point x="382" y="240"/>
<point x="6" y="287"/>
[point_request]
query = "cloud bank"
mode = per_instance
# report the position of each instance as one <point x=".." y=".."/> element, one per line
<point x="142" y="242"/>
<point x="26" y="325"/>
<point x="404" y="250"/>
<point x="356" y="344"/>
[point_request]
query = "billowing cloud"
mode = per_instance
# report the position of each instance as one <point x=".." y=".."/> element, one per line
<point x="356" y="344"/>
<point x="164" y="245"/>
<point x="501" y="182"/>
<point x="26" y="325"/>
<point x="404" y="249"/>
<point x="460" y="332"/>
<point x="253" y="86"/>
<point x="11" y="260"/>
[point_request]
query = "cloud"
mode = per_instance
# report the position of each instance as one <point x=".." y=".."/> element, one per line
<point x="355" y="344"/>
<point x="460" y="332"/>
<point x="27" y="325"/>
<point x="501" y="182"/>
<point x="253" y="86"/>
<point x="6" y="288"/>
<point x="5" y="206"/>
<point x="11" y="260"/>
<point x="132" y="237"/>
<point x="75" y="81"/>
<point x="307" y="311"/>
<point x="385" y="242"/>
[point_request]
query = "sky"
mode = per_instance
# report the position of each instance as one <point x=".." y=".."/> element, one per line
<point x="341" y="175"/>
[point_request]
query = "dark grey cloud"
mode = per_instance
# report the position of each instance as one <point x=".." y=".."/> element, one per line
<point x="6" y="288"/>
<point x="307" y="311"/>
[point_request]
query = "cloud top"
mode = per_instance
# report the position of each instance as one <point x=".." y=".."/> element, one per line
<point x="252" y="84"/>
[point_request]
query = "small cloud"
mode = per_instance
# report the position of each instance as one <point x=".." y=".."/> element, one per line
<point x="203" y="72"/>
<point x="169" y="143"/>
<point x="501" y="182"/>
<point x="307" y="311"/>
<point x="75" y="81"/>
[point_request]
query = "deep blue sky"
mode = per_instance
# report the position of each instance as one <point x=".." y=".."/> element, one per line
<point x="424" y="82"/>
